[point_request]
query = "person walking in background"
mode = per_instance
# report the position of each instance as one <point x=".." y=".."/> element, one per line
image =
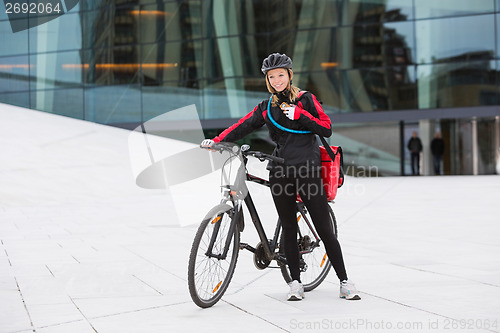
<point x="415" y="147"/>
<point x="437" y="149"/>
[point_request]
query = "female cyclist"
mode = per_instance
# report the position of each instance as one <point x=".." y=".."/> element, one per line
<point x="293" y="112"/>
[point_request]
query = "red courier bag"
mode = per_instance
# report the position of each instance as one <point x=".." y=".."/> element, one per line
<point x="332" y="173"/>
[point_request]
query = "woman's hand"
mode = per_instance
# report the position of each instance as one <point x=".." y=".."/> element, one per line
<point x="291" y="112"/>
<point x="207" y="143"/>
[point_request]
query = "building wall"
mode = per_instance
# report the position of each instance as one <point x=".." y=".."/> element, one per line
<point x="373" y="63"/>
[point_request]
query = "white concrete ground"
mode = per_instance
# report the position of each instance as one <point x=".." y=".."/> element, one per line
<point x="83" y="249"/>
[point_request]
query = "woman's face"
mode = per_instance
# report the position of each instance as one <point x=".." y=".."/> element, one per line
<point x="278" y="79"/>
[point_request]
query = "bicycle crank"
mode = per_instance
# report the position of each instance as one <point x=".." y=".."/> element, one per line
<point x="259" y="257"/>
<point x="305" y="243"/>
<point x="303" y="266"/>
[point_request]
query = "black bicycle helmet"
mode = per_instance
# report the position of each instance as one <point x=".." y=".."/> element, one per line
<point x="276" y="60"/>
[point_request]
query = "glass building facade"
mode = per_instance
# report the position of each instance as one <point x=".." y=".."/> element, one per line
<point x="382" y="69"/>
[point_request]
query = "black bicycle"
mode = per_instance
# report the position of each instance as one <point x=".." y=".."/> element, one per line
<point x="215" y="248"/>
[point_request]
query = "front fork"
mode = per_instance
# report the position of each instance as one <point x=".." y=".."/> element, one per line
<point x="235" y="213"/>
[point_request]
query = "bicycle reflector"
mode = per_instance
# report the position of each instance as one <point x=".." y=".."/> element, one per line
<point x="323" y="261"/>
<point x="217" y="287"/>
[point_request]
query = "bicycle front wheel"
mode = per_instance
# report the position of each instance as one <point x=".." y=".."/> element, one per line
<point x="314" y="262"/>
<point x="211" y="265"/>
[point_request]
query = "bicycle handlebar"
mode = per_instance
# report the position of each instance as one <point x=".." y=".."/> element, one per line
<point x="222" y="146"/>
<point x="262" y="156"/>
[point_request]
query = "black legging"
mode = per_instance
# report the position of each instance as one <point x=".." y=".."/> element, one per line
<point x="284" y="187"/>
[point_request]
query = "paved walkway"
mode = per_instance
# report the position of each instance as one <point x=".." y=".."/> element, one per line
<point x="83" y="249"/>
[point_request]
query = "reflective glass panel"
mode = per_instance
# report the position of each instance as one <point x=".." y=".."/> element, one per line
<point x="95" y="4"/>
<point x="112" y="66"/>
<point x="63" y="33"/>
<point x="72" y="5"/>
<point x="261" y="19"/>
<point x="375" y="11"/>
<point x="433" y="8"/>
<point x="311" y="14"/>
<point x="174" y="61"/>
<point x="65" y="102"/>
<point x="92" y="22"/>
<point x="488" y="146"/>
<point x="461" y="144"/>
<point x="377" y="89"/>
<point x="216" y="103"/>
<point x="235" y="56"/>
<point x="125" y="27"/>
<point x="326" y="13"/>
<point x="377" y="45"/>
<point x="457" y="84"/>
<point x="453" y="39"/>
<point x="370" y="149"/>
<point x="19" y="99"/>
<point x="112" y="27"/>
<point x="158" y="100"/>
<point x="309" y="55"/>
<point x="113" y="105"/>
<point x="170" y="21"/>
<point x="497" y="17"/>
<point x="257" y="16"/>
<point x="221" y="100"/>
<point x="14" y="73"/>
<point x="55" y="70"/>
<point x="12" y="43"/>
<point x="325" y="85"/>
<point x="3" y="11"/>
<point x="283" y="41"/>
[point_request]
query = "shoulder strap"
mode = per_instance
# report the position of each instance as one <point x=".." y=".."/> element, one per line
<point x="300" y="94"/>
<point x="333" y="156"/>
<point x="328" y="149"/>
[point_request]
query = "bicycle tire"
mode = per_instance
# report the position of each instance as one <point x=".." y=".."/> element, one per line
<point x="209" y="277"/>
<point x="318" y="264"/>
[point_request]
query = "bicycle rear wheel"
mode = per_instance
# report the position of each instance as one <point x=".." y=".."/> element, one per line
<point x="314" y="262"/>
<point x="208" y="273"/>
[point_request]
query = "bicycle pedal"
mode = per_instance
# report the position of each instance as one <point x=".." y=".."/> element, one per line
<point x="245" y="246"/>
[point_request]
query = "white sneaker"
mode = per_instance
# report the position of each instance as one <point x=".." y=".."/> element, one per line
<point x="296" y="291"/>
<point x="348" y="291"/>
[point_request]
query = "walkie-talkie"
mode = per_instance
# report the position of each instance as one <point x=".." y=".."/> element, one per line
<point x="284" y="105"/>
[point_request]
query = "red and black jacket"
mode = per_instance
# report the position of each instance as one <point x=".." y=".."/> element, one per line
<point x="296" y="149"/>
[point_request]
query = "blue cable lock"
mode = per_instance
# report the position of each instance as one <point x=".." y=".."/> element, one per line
<point x="278" y="125"/>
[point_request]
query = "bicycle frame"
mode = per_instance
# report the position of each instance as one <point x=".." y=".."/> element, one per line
<point x="217" y="242"/>
<point x="269" y="246"/>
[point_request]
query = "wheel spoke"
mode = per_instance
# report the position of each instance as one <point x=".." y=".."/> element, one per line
<point x="209" y="276"/>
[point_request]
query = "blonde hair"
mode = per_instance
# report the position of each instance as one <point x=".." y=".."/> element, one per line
<point x="294" y="91"/>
